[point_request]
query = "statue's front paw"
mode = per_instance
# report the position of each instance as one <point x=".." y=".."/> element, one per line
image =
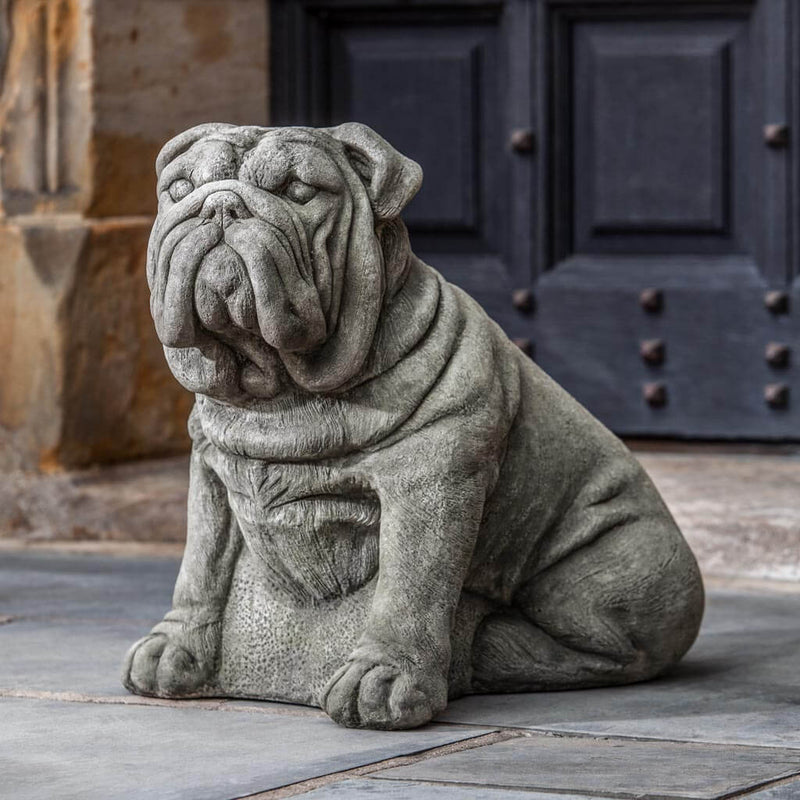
<point x="383" y="693"/>
<point x="161" y="665"/>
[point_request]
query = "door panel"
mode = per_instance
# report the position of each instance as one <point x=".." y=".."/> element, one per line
<point x="662" y="183"/>
<point x="433" y="80"/>
<point x="652" y="128"/>
<point x="434" y="75"/>
<point x="625" y="162"/>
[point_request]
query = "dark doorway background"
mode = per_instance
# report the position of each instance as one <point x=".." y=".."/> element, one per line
<point x="615" y="182"/>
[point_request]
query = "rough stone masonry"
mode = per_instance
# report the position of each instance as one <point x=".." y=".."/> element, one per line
<point x="390" y="504"/>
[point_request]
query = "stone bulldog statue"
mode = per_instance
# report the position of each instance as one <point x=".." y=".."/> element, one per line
<point x="390" y="504"/>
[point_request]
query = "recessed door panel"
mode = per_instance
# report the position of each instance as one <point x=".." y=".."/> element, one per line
<point x="418" y="87"/>
<point x="652" y="132"/>
<point x="667" y="211"/>
<point x="614" y="180"/>
<point x="432" y="79"/>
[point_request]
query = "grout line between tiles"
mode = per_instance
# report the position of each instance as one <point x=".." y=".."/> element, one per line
<point x="570" y="734"/>
<point x="547" y="790"/>
<point x="221" y="704"/>
<point x="232" y="705"/>
<point x="770" y="784"/>
<point x="302" y="787"/>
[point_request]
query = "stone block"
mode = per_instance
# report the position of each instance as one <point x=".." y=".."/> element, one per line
<point x="159" y="68"/>
<point x="90" y="90"/>
<point x="88" y="378"/>
<point x="88" y="93"/>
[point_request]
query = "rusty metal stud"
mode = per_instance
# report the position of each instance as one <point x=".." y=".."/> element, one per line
<point x="653" y="351"/>
<point x="777" y="354"/>
<point x="651" y="300"/>
<point x="655" y="394"/>
<point x="522" y="140"/>
<point x="776" y="395"/>
<point x="522" y="300"/>
<point x="526" y="345"/>
<point x="777" y="301"/>
<point x="776" y="135"/>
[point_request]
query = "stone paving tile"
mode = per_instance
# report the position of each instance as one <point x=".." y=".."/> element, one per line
<point x="785" y="791"/>
<point x="55" y="584"/>
<point x="739" y="512"/>
<point x="400" y="790"/>
<point x="611" y="767"/>
<point x="72" y="656"/>
<point x="740" y="684"/>
<point x="90" y="751"/>
<point x="78" y="615"/>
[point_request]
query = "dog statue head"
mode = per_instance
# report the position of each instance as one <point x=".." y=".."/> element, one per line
<point x="273" y="254"/>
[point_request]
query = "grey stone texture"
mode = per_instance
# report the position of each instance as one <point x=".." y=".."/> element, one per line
<point x="66" y="731"/>
<point x="790" y="790"/>
<point x="732" y="687"/>
<point x="400" y="790"/>
<point x="136" y="752"/>
<point x="390" y="505"/>
<point x="663" y="769"/>
<point x="734" y="503"/>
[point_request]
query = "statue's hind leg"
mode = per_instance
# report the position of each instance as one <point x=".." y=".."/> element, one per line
<point x="619" y="610"/>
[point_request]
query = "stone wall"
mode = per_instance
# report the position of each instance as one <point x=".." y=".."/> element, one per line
<point x="89" y="91"/>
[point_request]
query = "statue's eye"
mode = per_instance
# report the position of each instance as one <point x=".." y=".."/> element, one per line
<point x="180" y="188"/>
<point x="299" y="192"/>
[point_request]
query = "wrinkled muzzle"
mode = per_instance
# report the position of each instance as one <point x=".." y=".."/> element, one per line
<point x="232" y="246"/>
<point x="231" y="263"/>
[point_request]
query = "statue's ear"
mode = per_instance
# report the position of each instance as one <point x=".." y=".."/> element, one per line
<point x="391" y="178"/>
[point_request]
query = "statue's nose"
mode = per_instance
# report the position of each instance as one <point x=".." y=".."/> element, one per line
<point x="224" y="207"/>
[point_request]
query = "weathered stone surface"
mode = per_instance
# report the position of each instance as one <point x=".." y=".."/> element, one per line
<point x="88" y="90"/>
<point x="739" y="511"/>
<point x="147" y="753"/>
<point x="139" y="501"/>
<point x="88" y="379"/>
<point x="45" y="107"/>
<point x="400" y="790"/>
<point x="738" y="685"/>
<point x="389" y="504"/>
<point x="663" y="769"/>
<point x="161" y="67"/>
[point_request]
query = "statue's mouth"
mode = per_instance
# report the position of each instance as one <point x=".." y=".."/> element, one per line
<point x="250" y="272"/>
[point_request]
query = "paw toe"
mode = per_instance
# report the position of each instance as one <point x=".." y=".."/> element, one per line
<point x="340" y="698"/>
<point x="363" y="694"/>
<point x="141" y="664"/>
<point x="159" y="667"/>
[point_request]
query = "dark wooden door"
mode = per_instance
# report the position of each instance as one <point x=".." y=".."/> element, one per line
<point x="613" y="181"/>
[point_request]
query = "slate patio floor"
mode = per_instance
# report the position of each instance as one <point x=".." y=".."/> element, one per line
<point x="725" y="724"/>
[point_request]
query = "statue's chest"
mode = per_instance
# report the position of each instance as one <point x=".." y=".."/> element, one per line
<point x="315" y="527"/>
